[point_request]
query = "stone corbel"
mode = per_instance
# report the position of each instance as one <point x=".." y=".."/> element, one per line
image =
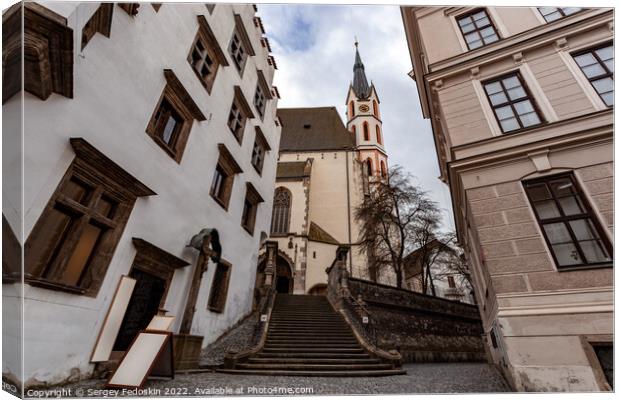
<point x="475" y="72"/>
<point x="610" y="26"/>
<point x="540" y="160"/>
<point x="518" y="58"/>
<point x="437" y="85"/>
<point x="561" y="44"/>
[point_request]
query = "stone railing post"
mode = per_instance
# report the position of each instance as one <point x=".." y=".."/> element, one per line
<point x="270" y="266"/>
<point x="341" y="268"/>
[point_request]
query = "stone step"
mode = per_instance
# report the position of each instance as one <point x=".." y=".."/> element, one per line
<point x="304" y="349"/>
<point x="314" y="367"/>
<point x="311" y="336"/>
<point x="382" y="372"/>
<point x="315" y="360"/>
<point x="310" y="340"/>
<point x="357" y="356"/>
<point x="313" y="345"/>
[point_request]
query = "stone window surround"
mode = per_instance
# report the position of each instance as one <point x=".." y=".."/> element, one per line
<point x="97" y="169"/>
<point x="180" y="100"/>
<point x="229" y="166"/>
<point x="477" y="29"/>
<point x="591" y="211"/>
<point x="583" y="50"/>
<point x="456" y="12"/>
<point x="240" y="31"/>
<point x="99" y="22"/>
<point x="244" y="109"/>
<point x="254" y="198"/>
<point x="261" y="141"/>
<point x="212" y="48"/>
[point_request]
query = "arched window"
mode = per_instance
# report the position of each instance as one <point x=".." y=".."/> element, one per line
<point x="353" y="129"/>
<point x="383" y="169"/>
<point x="366" y="133"/>
<point x="369" y="166"/>
<point x="281" y="211"/>
<point x="375" y="108"/>
<point x="378" y="134"/>
<point x="351" y="110"/>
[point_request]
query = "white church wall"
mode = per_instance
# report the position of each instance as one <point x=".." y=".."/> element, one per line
<point x="320" y="257"/>
<point x="117" y="84"/>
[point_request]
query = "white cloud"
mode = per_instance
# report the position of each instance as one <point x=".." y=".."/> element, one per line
<point x="313" y="47"/>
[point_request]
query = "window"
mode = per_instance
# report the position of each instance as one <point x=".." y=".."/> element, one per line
<point x="369" y="166"/>
<point x="477" y="29"/>
<point x="366" y="132"/>
<point x="353" y="129"/>
<point x="351" y="109"/>
<point x="223" y="177"/>
<point x="281" y="211"/>
<point x="262" y="94"/>
<point x="511" y="103"/>
<point x="553" y="13"/>
<point x="101" y="22"/>
<point x="383" y="169"/>
<point x="240" y="47"/>
<point x="239" y="113"/>
<point x="375" y="108"/>
<point x="205" y="55"/>
<point x="451" y="282"/>
<point x="261" y="146"/>
<point x="378" y="133"/>
<point x="250" y="207"/>
<point x="570" y="228"/>
<point x="598" y="66"/>
<point x="219" y="287"/>
<point x="72" y="242"/>
<point x="172" y="119"/>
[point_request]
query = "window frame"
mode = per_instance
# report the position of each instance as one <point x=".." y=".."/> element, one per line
<point x="243" y="42"/>
<point x="560" y="10"/>
<point x="529" y="96"/>
<point x="261" y="142"/>
<point x="253" y="198"/>
<point x="100" y="21"/>
<point x="589" y="215"/>
<point x="105" y="179"/>
<point x="212" y="49"/>
<point x="608" y="73"/>
<point x="227" y="164"/>
<point x="244" y="110"/>
<point x="289" y="195"/>
<point x="469" y="14"/>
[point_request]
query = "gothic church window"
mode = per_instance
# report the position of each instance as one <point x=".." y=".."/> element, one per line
<point x="281" y="211"/>
<point x="378" y="132"/>
<point x="369" y="166"/>
<point x="598" y="66"/>
<point x="375" y="108"/>
<point x="383" y="170"/>
<point x="351" y="109"/>
<point x="366" y="132"/>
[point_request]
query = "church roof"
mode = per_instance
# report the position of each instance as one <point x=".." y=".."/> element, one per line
<point x="360" y="83"/>
<point x="318" y="234"/>
<point x="293" y="170"/>
<point x="307" y="129"/>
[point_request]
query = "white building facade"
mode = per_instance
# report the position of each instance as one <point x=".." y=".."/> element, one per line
<point x="158" y="122"/>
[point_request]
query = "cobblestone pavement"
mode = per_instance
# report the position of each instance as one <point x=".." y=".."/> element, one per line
<point x="420" y="378"/>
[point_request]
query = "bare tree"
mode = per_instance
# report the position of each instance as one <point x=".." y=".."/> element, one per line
<point x="452" y="262"/>
<point x="395" y="217"/>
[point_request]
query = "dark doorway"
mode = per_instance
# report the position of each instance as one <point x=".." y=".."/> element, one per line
<point x="143" y="305"/>
<point x="605" y="355"/>
<point x="282" y="285"/>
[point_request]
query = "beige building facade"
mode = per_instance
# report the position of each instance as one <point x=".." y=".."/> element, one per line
<point x="521" y="105"/>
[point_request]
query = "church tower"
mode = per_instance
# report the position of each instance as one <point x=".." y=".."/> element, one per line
<point x="364" y="121"/>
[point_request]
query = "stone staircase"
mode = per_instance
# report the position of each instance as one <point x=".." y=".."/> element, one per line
<point x="306" y="337"/>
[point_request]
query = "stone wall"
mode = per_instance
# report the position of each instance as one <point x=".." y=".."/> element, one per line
<point x="422" y="328"/>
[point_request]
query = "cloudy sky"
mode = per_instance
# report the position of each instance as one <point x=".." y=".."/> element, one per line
<point x="314" y="51"/>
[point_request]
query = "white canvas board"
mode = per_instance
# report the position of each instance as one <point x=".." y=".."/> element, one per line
<point x="113" y="320"/>
<point x="138" y="360"/>
<point x="160" y="323"/>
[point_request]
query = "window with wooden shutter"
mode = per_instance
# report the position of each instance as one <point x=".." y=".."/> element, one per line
<point x="223" y="177"/>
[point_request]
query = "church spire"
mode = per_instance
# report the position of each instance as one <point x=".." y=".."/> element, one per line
<point x="360" y="83"/>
